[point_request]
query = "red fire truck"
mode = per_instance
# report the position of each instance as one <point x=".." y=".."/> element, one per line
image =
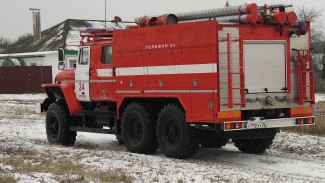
<point x="183" y="81"/>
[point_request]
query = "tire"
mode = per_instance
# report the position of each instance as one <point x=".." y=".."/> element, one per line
<point x="118" y="133"/>
<point x="57" y="125"/>
<point x="214" y="142"/>
<point x="175" y="136"/>
<point x="138" y="130"/>
<point x="253" y="146"/>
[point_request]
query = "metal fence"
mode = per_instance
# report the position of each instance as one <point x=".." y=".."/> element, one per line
<point x="24" y="79"/>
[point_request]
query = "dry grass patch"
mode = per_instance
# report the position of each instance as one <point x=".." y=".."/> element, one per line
<point x="5" y="177"/>
<point x="63" y="166"/>
<point x="8" y="150"/>
<point x="28" y="161"/>
<point x="19" y="114"/>
<point x="115" y="175"/>
<point x="21" y="101"/>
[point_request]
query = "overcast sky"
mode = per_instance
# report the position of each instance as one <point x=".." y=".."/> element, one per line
<point x="16" y="18"/>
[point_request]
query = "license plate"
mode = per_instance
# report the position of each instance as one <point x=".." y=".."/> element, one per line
<point x="256" y="125"/>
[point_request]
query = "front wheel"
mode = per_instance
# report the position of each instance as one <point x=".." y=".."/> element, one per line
<point x="175" y="136"/>
<point x="57" y="125"/>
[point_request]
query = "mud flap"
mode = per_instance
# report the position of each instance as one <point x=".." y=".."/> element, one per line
<point x="45" y="105"/>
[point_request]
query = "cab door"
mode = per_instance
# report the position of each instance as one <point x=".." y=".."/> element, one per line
<point x="102" y="77"/>
<point x="82" y="74"/>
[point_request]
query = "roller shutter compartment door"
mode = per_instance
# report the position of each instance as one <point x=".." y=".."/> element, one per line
<point x="265" y="67"/>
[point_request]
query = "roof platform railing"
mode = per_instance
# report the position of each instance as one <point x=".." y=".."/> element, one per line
<point x="96" y="33"/>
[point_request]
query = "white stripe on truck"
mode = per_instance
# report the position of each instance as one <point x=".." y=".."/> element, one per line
<point x="168" y="69"/>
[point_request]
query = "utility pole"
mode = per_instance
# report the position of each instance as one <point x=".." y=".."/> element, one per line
<point x="323" y="60"/>
<point x="105" y="13"/>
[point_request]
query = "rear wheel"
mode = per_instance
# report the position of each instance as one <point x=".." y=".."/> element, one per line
<point x="253" y="146"/>
<point x="175" y="136"/>
<point x="138" y="129"/>
<point x="57" y="125"/>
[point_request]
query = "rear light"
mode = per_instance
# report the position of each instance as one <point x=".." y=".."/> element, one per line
<point x="234" y="125"/>
<point x="310" y="121"/>
<point x="306" y="121"/>
<point x="239" y="125"/>
<point x="228" y="126"/>
<point x="301" y="121"/>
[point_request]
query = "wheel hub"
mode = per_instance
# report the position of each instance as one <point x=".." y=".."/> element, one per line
<point x="54" y="127"/>
<point x="172" y="133"/>
<point x="136" y="129"/>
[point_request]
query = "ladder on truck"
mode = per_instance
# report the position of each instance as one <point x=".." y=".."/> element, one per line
<point x="304" y="68"/>
<point x="241" y="87"/>
<point x="92" y="34"/>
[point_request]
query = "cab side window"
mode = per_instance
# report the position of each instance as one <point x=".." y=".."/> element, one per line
<point x="107" y="55"/>
<point x="84" y="56"/>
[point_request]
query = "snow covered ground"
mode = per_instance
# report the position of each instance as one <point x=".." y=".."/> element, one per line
<point x="320" y="97"/>
<point x="24" y="147"/>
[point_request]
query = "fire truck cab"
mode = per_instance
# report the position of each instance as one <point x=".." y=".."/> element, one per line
<point x="181" y="86"/>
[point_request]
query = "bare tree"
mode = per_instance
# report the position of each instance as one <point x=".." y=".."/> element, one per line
<point x="317" y="35"/>
<point x="4" y="43"/>
<point x="314" y="16"/>
<point x="24" y="37"/>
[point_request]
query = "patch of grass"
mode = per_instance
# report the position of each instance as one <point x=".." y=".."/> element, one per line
<point x="115" y="175"/>
<point x="26" y="161"/>
<point x="318" y="129"/>
<point x="5" y="177"/>
<point x="267" y="161"/>
<point x="8" y="150"/>
<point x="18" y="114"/>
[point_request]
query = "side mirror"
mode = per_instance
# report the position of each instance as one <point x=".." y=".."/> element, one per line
<point x="61" y="54"/>
<point x="61" y="65"/>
